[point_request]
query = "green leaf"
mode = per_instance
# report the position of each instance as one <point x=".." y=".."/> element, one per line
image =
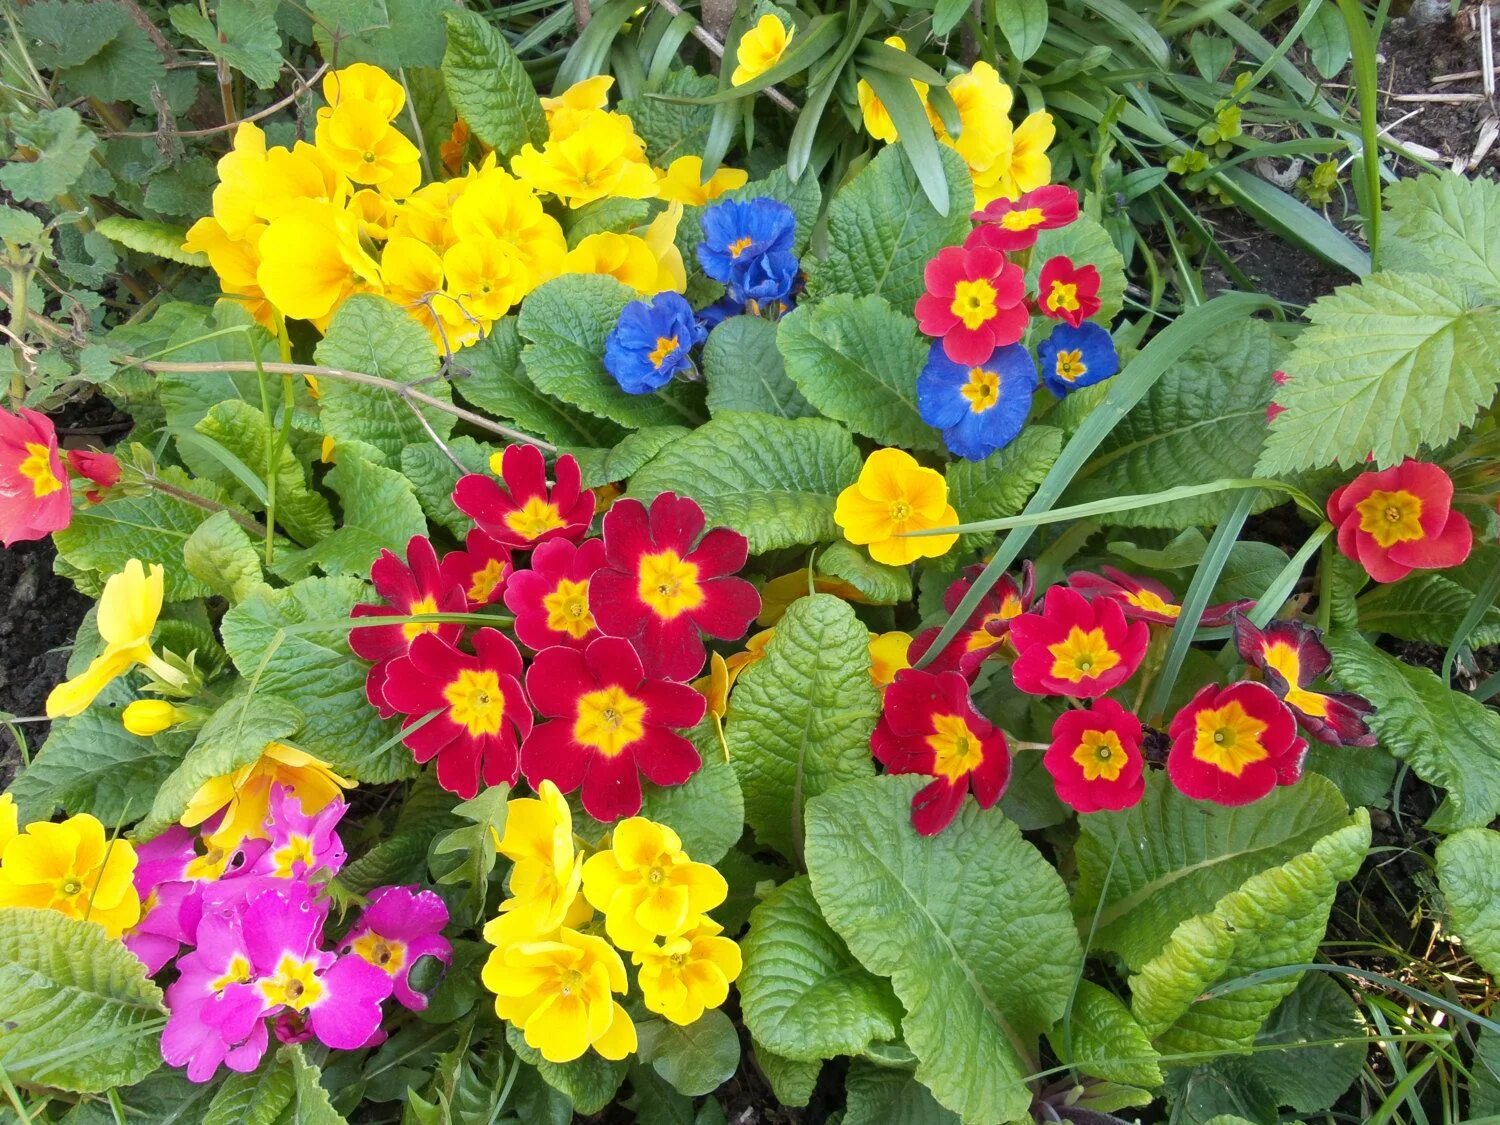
<point x="673" y="129"/>
<point x="162" y="239"/>
<point x="1106" y="1040"/>
<point x="293" y="642"/>
<point x="773" y="480"/>
<point x="387" y="33"/>
<point x="164" y="1097"/>
<point x="1276" y="918"/>
<point x="1170" y="857"/>
<point x="1088" y="244"/>
<point x="882" y="230"/>
<point x="707" y="811"/>
<point x="1447" y="738"/>
<point x="20" y="226"/>
<point x="976" y="996"/>
<point x="380" y="510"/>
<point x="792" y="1082"/>
<point x="62" y="147"/>
<point x="245" y="37"/>
<point x="1468" y="870"/>
<point x="744" y="372"/>
<point x="220" y="555"/>
<point x="803" y="714"/>
<point x="433" y="476"/>
<point x="696" y="1059"/>
<point x="244" y="431"/>
<point x="877" y="583"/>
<point x="1024" y="25"/>
<point x="1001" y="484"/>
<point x="878" y="1095"/>
<point x="1311" y="1079"/>
<point x="1394" y="363"/>
<point x="400" y="855"/>
<point x="610" y="466"/>
<point x="312" y="1105"/>
<point x="566" y="322"/>
<point x="63" y="35"/>
<point x="77" y="1010"/>
<point x="856" y="359"/>
<point x="1484" y="1090"/>
<point x="489" y="87"/>
<point x="1426" y="606"/>
<point x="1204" y="420"/>
<point x="589" y="1082"/>
<point x="802" y="993"/>
<point x="1444" y="225"/>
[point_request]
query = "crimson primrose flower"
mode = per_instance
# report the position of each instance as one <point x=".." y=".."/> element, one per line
<point x="415" y="587"/>
<point x="482" y="714"/>
<point x="34" y="496"/>
<point x="1290" y="656"/>
<point x="1095" y="758"/>
<point x="1399" y="519"/>
<point x="551" y="600"/>
<point x="1146" y="599"/>
<point x="1076" y="647"/>
<point x="928" y="725"/>
<point x="1013" y="224"/>
<point x="1233" y="745"/>
<point x="526" y="511"/>
<point x="661" y="584"/>
<point x="608" y="724"/>
<point x="975" y="302"/>
<point x="481" y="568"/>
<point x="1067" y="292"/>
<point x="986" y="628"/>
<point x="100" y="469"/>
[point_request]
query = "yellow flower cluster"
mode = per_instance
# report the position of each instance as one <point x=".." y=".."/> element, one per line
<point x="295" y="232"/>
<point x="558" y="983"/>
<point x="69" y="867"/>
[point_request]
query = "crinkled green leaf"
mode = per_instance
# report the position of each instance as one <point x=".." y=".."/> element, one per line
<point x="610" y="466"/>
<point x="163" y="1097"/>
<point x="62" y="147"/>
<point x="744" y="372"/>
<point x="1428" y="607"/>
<point x="972" y="926"/>
<point x="878" y="1095"/>
<point x="62" y="35"/>
<point x="589" y="1082"/>
<point x="803" y="714"/>
<point x="1446" y="225"/>
<point x="220" y="555"/>
<point x="244" y="36"/>
<point x="1088" y="244"/>
<point x="673" y="129"/>
<point x="708" y="810"/>
<point x="1001" y="484"/>
<point x="149" y="237"/>
<point x="243" y="430"/>
<point x="127" y="67"/>
<point x="607" y="214"/>
<point x="1468" y="870"/>
<point x="792" y="1082"/>
<point x="696" y="1059"/>
<point x="433" y="476"/>
<point x="380" y="510"/>
<point x="489" y="87"/>
<point x="386" y="33"/>
<point x="19" y="226"/>
<point x="1311" y="1079"/>
<point x="1484" y="1090"/>
<point x="1106" y="1041"/>
<point x="877" y="583"/>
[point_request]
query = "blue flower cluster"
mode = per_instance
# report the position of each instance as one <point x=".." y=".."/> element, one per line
<point x="747" y="247"/>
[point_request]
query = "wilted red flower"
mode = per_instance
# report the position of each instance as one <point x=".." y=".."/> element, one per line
<point x="1291" y="655"/>
<point x="1067" y="292"/>
<point x="551" y="600"/>
<point x="607" y="725"/>
<point x="1076" y="647"/>
<point x="661" y="584"/>
<point x="526" y="511"/>
<point x="1145" y="598"/>
<point x="1398" y="520"/>
<point x="481" y="711"/>
<point x="34" y="497"/>
<point x="103" y="469"/>
<point x="987" y="626"/>
<point x="929" y="726"/>
<point x="975" y="302"/>
<point x="1013" y="224"/>
<point x="414" y="587"/>
<point x="1095" y="758"/>
<point x="481" y="568"/>
<point x="1233" y="745"/>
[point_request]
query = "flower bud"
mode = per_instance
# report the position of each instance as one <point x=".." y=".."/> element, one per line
<point x="146" y="717"/>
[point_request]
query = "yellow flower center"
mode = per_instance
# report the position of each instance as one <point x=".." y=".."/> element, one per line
<point x="973" y="302"/>
<point x="982" y="390"/>
<point x="1391" y="517"/>
<point x="1284" y="659"/>
<point x="1100" y="754"/>
<point x="1024" y="219"/>
<point x="70" y="887"/>
<point x="1082" y="655"/>
<point x="1152" y="602"/>
<point x="1070" y="365"/>
<point x="900" y="511"/>
<point x="37" y="468"/>
<point x="295" y="984"/>
<point x="669" y="584"/>
<point x="238" y="972"/>
<point x="296" y="850"/>
<point x="1063" y="296"/>
<point x="568" y="609"/>
<point x="414" y="629"/>
<point x="609" y="720"/>
<point x="483" y="582"/>
<point x="476" y="701"/>
<point x="570" y="981"/>
<point x="957" y="750"/>
<point x="535" y="518"/>
<point x="740" y="245"/>
<point x="656" y="875"/>
<point x="665" y="346"/>
<point x="1228" y="738"/>
<point x="387" y="955"/>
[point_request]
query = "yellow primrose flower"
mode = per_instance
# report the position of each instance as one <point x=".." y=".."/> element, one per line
<point x="983" y="102"/>
<point x="623" y="257"/>
<point x="303" y="172"/>
<point x="71" y="868"/>
<point x="572" y="107"/>
<point x="146" y="717"/>
<point x="894" y="495"/>
<point x="496" y="205"/>
<point x="559" y="993"/>
<point x="361" y="82"/>
<point x="722" y="673"/>
<point x="546" y="873"/>
<point x="244" y="796"/>
<point x="128" y="610"/>
<point x="661" y="236"/>
<point x="412" y="273"/>
<point x="647" y="886"/>
<point x="486" y="279"/>
<point x="888" y="656"/>
<point x="367" y="148"/>
<point x="376" y="213"/>
<point x="10" y="825"/>
<point x="602" y="157"/>
<point x="777" y="595"/>
<point x="426" y="214"/>
<point x="682" y="181"/>
<point x="311" y="260"/>
<point x="689" y="972"/>
<point x="1024" y="165"/>
<point x="235" y="261"/>
<point x="238" y="193"/>
<point x="761" y="48"/>
<point x="872" y="111"/>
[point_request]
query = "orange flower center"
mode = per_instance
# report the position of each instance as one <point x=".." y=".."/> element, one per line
<point x="740" y="245"/>
<point x="1229" y="738"/>
<point x="476" y="702"/>
<point x="383" y="954"/>
<point x="1284" y="659"/>
<point x="982" y="390"/>
<point x="609" y="720"/>
<point x="568" y="609"/>
<point x="535" y="518"/>
<point x="1070" y="365"/>
<point x="1391" y="517"/>
<point x="957" y="750"/>
<point x="1063" y="296"/>
<point x="482" y="583"/>
<point x="665" y="346"/>
<point x="37" y="468"/>
<point x="1152" y="602"/>
<point x="973" y="302"/>
<point x="669" y="584"/>
<point x="1024" y="219"/>
<point x="1100" y="754"/>
<point x="1082" y="655"/>
<point x="414" y="629"/>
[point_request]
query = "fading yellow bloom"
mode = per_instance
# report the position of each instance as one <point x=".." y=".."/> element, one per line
<point x="689" y="972"/>
<point x="145" y="717"/>
<point x="892" y="496"/>
<point x="572" y="107"/>
<point x="494" y="204"/>
<point x="311" y="261"/>
<point x="601" y="157"/>
<point x="761" y="48"/>
<point x="362" y="144"/>
<point x="235" y="261"/>
<point x="546" y="873"/>
<point x="872" y="111"/>
<point x="888" y="656"/>
<point x="624" y="257"/>
<point x="71" y="868"/>
<point x="10" y="823"/>
<point x="127" y="614"/>
<point x="244" y="796"/>
<point x="647" y="886"/>
<point x="326" y="453"/>
<point x="777" y="595"/>
<point x="722" y="672"/>
<point x="361" y="82"/>
<point x="682" y="181"/>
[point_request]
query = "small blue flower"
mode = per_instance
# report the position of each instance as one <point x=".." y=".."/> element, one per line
<point x="747" y="246"/>
<point x="979" y="407"/>
<point x="651" y="342"/>
<point x="718" y="312"/>
<point x="1073" y="358"/>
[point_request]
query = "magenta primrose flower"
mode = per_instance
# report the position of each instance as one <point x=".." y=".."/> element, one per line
<point x="400" y="927"/>
<point x="301" y="844"/>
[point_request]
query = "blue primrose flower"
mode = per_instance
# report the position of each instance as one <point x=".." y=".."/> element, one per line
<point x="747" y="246"/>
<point x="711" y="316"/>
<point x="979" y="407"/>
<point x="1073" y="358"/>
<point x="650" y="343"/>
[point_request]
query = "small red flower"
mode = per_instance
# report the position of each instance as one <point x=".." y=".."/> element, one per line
<point x="34" y="497"/>
<point x="987" y="627"/>
<point x="1274" y="409"/>
<point x="1013" y="224"/>
<point x="414" y="587"/>
<point x="1398" y="520"/>
<point x="1095" y="758"/>
<point x="482" y="714"/>
<point x="526" y="512"/>
<point x="1067" y="292"/>
<point x="928" y="725"/>
<point x="551" y="600"/>
<point x="482" y="568"/>
<point x="608" y="724"/>
<point x="1076" y="647"/>
<point x="1291" y="655"/>
<point x="1233" y="745"/>
<point x="103" y="469"/>
<point x="1145" y="599"/>
<point x="661" y="583"/>
<point x="975" y="301"/>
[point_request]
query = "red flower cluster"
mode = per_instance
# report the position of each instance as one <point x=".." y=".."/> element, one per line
<point x="984" y="633"/>
<point x="614" y="624"/>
